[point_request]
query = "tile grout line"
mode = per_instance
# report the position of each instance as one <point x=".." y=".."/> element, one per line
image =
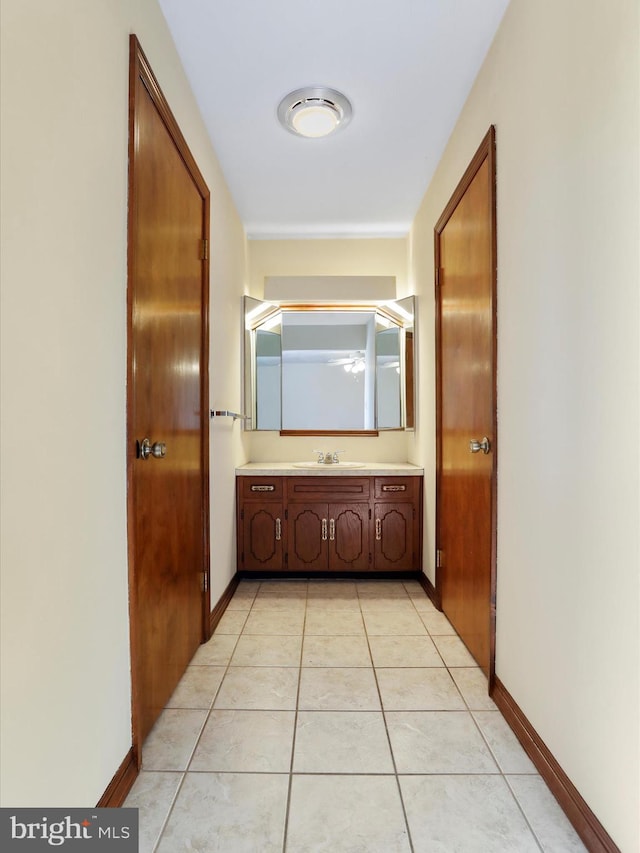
<point x="504" y="776"/>
<point x="522" y="811"/>
<point x="197" y="741"/>
<point x="386" y="729"/>
<point x="476" y="724"/>
<point x="524" y="814"/>
<point x="287" y="813"/>
<point x="164" y="823"/>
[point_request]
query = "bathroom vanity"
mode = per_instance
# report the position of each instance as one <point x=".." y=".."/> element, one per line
<point x="318" y="519"/>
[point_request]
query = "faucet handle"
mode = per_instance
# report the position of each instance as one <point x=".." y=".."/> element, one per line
<point x="320" y="455"/>
<point x="335" y="455"/>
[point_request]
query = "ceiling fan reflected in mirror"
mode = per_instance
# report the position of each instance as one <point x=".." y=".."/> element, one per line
<point x="353" y="363"/>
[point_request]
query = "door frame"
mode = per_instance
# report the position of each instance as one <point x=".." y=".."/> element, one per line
<point x="139" y="69"/>
<point x="486" y="151"/>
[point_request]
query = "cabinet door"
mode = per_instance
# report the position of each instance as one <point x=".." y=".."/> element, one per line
<point x="349" y="548"/>
<point x="261" y="536"/>
<point x="308" y="536"/>
<point x="394" y="536"/>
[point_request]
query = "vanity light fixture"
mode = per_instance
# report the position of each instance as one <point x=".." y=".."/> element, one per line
<point x="398" y="309"/>
<point x="272" y="322"/>
<point x="314" y="112"/>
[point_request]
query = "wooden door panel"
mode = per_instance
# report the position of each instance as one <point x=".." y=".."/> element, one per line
<point x="394" y="536"/>
<point x="466" y="589"/>
<point x="308" y="537"/>
<point x="168" y="306"/>
<point x="465" y="254"/>
<point x="349" y="547"/>
<point x="262" y="536"/>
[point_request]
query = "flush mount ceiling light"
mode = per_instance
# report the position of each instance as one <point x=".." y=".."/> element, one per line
<point x="314" y="112"/>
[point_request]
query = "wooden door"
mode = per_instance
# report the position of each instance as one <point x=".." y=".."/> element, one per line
<point x="466" y="406"/>
<point x="167" y="399"/>
<point x="349" y="537"/>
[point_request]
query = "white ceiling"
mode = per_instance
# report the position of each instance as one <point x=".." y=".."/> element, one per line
<point x="406" y="66"/>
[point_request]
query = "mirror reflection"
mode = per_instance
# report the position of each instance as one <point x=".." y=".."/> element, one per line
<point x="328" y="377"/>
<point x="315" y="368"/>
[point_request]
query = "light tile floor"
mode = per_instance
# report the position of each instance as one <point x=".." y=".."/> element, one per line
<point x="339" y="716"/>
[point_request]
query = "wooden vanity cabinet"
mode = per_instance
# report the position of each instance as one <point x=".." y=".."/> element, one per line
<point x="329" y="524"/>
<point x="260" y="523"/>
<point x="397" y="523"/>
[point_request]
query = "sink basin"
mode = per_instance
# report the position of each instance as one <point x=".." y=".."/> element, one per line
<point x="325" y="467"/>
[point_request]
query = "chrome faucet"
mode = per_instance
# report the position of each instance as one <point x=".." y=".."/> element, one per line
<point x="327" y="457"/>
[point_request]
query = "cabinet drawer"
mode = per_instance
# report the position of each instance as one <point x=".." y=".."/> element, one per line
<point x="396" y="488"/>
<point x="328" y="488"/>
<point x="261" y="488"/>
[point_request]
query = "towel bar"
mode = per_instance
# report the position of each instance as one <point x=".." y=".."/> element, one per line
<point x="225" y="413"/>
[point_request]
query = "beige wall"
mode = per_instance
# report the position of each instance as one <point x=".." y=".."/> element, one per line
<point x="358" y="257"/>
<point x="387" y="256"/>
<point x="561" y="85"/>
<point x="65" y="645"/>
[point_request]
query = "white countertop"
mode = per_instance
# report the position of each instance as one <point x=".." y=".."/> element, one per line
<point x="287" y="469"/>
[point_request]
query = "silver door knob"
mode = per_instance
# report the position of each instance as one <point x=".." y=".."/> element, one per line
<point x="476" y="446"/>
<point x="145" y="449"/>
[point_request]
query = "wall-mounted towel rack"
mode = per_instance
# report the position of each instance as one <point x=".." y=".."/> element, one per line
<point x="225" y="413"/>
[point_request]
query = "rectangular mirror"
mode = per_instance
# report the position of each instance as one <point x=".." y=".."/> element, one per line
<point x="268" y="378"/>
<point x="388" y="390"/>
<point x="329" y="369"/>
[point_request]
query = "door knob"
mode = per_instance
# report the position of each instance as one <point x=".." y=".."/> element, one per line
<point x="476" y="446"/>
<point x="145" y="449"/>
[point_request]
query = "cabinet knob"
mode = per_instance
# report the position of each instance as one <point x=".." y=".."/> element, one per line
<point x="378" y="529"/>
<point x="278" y="530"/>
<point x="332" y="529"/>
<point x="324" y="529"/>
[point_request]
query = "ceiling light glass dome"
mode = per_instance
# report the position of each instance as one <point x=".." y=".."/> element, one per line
<point x="314" y="112"/>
